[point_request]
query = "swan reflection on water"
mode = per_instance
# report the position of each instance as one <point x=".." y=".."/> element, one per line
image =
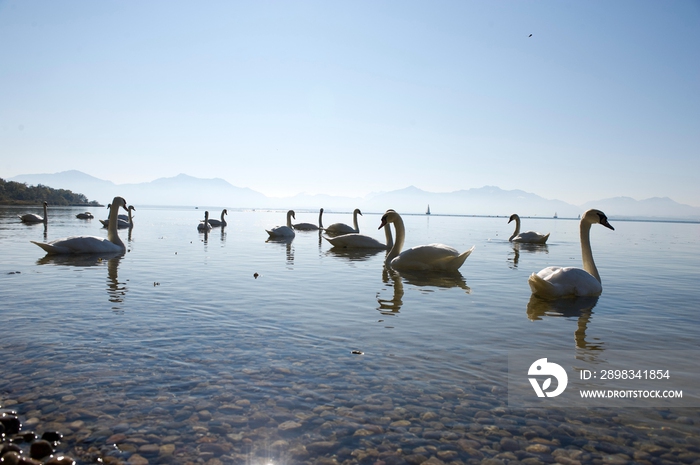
<point x="287" y="242"/>
<point x="354" y="255"/>
<point x="442" y="280"/>
<point x="115" y="290"/>
<point x="580" y="308"/>
<point x="524" y="247"/>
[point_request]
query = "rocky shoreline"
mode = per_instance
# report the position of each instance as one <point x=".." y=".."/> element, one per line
<point x="453" y="427"/>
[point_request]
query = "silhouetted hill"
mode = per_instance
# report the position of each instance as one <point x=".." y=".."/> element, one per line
<point x="488" y="200"/>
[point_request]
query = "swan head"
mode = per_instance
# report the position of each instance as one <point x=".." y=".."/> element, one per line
<point x="357" y="212"/>
<point x="321" y="211"/>
<point x="388" y="217"/>
<point x="596" y="216"/>
<point x="225" y="212"/>
<point x="46" y="204"/>
<point x="206" y="214"/>
<point x="292" y="214"/>
<point x="513" y="217"/>
<point x="131" y="207"/>
<point x="119" y="202"/>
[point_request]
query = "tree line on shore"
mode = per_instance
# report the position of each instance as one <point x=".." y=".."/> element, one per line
<point x="18" y="193"/>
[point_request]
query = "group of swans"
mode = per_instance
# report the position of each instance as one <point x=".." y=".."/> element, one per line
<point x="207" y="224"/>
<point x="33" y="218"/>
<point x="91" y="244"/>
<point x="123" y="221"/>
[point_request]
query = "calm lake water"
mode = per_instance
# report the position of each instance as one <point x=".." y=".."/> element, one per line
<point x="176" y="353"/>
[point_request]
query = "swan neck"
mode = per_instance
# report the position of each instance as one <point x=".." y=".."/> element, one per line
<point x="388" y="236"/>
<point x="46" y="214"/>
<point x="112" y="231"/>
<point x="289" y="219"/>
<point x="398" y="244"/>
<point x="354" y="221"/>
<point x="517" y="228"/>
<point x="586" y="252"/>
<point x="320" y="216"/>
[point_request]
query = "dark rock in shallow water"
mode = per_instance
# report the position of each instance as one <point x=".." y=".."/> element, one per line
<point x="40" y="449"/>
<point x="60" y="460"/>
<point x="11" y="423"/>
<point x="52" y="436"/>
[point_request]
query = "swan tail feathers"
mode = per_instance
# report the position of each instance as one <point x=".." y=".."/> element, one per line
<point x="544" y="239"/>
<point x="541" y="287"/>
<point x="48" y="248"/>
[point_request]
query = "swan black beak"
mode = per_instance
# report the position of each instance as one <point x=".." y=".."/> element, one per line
<point x="383" y="223"/>
<point x="605" y="223"/>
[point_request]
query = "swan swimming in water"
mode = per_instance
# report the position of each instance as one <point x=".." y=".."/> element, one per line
<point x="34" y="218"/>
<point x="555" y="282"/>
<point x="311" y="226"/>
<point x="361" y="241"/>
<point x="336" y="229"/>
<point x="433" y="257"/>
<point x="90" y="244"/>
<point x="283" y="231"/>
<point x="529" y="237"/>
<point x="84" y="216"/>
<point x="204" y="226"/>
<point x="222" y="222"/>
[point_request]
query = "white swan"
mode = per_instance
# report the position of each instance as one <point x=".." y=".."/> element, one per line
<point x="90" y="244"/>
<point x="361" y="241"/>
<point x="434" y="257"/>
<point x="337" y="229"/>
<point x="84" y="216"/>
<point x="123" y="221"/>
<point x="311" y="226"/>
<point x="529" y="237"/>
<point x="554" y="282"/>
<point x="217" y="223"/>
<point x="34" y="218"/>
<point x="204" y="226"/>
<point x="283" y="231"/>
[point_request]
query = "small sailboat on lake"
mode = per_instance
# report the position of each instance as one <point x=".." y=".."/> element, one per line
<point x="427" y="212"/>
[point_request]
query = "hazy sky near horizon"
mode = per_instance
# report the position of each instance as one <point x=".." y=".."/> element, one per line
<point x="348" y="98"/>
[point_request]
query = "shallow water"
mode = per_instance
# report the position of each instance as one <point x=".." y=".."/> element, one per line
<point x="183" y="354"/>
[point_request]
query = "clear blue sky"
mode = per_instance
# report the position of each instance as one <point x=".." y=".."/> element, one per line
<point x="352" y="97"/>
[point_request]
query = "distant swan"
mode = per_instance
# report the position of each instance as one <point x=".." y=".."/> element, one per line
<point x="337" y="229"/>
<point x="90" y="244"/>
<point x="217" y="223"/>
<point x="361" y="241"/>
<point x="529" y="237"/>
<point x="204" y="226"/>
<point x="311" y="226"/>
<point x="123" y="221"/>
<point x="283" y="231"/>
<point x="84" y="216"/>
<point x="434" y="257"/>
<point x="34" y="218"/>
<point x="554" y="282"/>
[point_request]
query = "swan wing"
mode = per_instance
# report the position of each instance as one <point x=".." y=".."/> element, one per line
<point x="531" y="237"/>
<point x="305" y="227"/>
<point x="430" y="257"/>
<point x="355" y="241"/>
<point x="281" y="231"/>
<point x="340" y="228"/>
<point x="556" y="282"/>
<point x="79" y="244"/>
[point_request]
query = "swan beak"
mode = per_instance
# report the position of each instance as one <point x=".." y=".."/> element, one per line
<point x="383" y="223"/>
<point x="605" y="223"/>
<point x="510" y="220"/>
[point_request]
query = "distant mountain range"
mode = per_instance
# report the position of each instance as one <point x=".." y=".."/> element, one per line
<point x="186" y="190"/>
